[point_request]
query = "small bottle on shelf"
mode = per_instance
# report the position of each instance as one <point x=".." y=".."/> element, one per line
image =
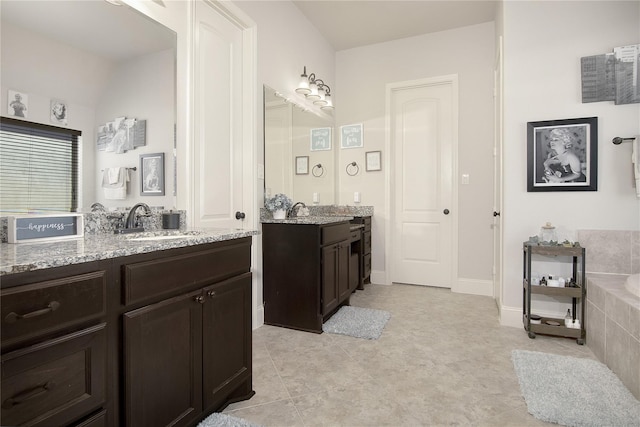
<point x="543" y="281"/>
<point x="568" y="320"/>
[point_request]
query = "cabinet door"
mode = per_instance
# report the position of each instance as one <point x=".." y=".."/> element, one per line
<point x="227" y="339"/>
<point x="330" y="292"/>
<point x="342" y="275"/>
<point x="163" y="369"/>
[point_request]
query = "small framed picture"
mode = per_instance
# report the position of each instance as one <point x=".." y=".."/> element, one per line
<point x="321" y="139"/>
<point x="58" y="112"/>
<point x="562" y="155"/>
<point x="302" y="165"/>
<point x="152" y="174"/>
<point x="17" y="104"/>
<point x="351" y="136"/>
<point x="373" y="161"/>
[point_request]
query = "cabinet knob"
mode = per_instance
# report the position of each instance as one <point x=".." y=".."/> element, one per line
<point x="211" y="294"/>
<point x="199" y="299"/>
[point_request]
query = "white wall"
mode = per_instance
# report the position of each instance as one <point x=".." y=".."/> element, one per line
<point x="362" y="75"/>
<point x="543" y="44"/>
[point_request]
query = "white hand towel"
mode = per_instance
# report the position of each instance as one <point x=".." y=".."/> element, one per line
<point x="115" y="190"/>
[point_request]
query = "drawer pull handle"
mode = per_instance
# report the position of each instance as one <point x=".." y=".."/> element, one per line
<point x="199" y="299"/>
<point x="13" y="317"/>
<point x="28" y="394"/>
<point x="211" y="294"/>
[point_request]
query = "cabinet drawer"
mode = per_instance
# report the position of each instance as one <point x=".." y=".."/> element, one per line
<point x="55" y="382"/>
<point x="335" y="233"/>
<point x="166" y="276"/>
<point x="98" y="420"/>
<point x="355" y="236"/>
<point x="366" y="238"/>
<point x="43" y="307"/>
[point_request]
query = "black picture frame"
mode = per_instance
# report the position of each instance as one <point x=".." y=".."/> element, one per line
<point x="549" y="171"/>
<point x="152" y="174"/>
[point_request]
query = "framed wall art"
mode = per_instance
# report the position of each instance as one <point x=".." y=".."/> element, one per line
<point x="373" y="161"/>
<point x="302" y="165"/>
<point x="320" y="139"/>
<point x="562" y="155"/>
<point x="152" y="174"/>
<point x="351" y="136"/>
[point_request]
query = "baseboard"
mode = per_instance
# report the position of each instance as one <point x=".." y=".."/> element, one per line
<point x="511" y="316"/>
<point x="259" y="319"/>
<point x="378" y="277"/>
<point x="473" y="287"/>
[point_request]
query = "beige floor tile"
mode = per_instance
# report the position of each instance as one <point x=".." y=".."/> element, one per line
<point x="442" y="359"/>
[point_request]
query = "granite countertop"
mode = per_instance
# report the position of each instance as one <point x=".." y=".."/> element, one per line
<point x="21" y="257"/>
<point x="313" y="220"/>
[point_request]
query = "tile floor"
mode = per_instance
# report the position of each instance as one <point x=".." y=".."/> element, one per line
<point x="442" y="359"/>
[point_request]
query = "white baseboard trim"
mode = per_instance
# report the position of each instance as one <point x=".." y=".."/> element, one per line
<point x="511" y="316"/>
<point x="259" y="319"/>
<point x="473" y="287"/>
<point x="379" y="277"/>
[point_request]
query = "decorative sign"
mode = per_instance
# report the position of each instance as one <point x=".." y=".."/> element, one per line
<point x="30" y="228"/>
<point x="320" y="139"/>
<point x="351" y="136"/>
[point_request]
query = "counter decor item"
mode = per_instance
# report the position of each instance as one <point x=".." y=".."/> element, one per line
<point x="278" y="205"/>
<point x="170" y="220"/>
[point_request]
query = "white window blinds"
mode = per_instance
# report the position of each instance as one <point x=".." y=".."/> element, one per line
<point x="38" y="167"/>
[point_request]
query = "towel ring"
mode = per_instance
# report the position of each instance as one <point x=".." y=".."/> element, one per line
<point x="617" y="140"/>
<point x="318" y="170"/>
<point x="351" y="172"/>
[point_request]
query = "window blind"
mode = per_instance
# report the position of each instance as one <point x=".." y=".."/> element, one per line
<point x="38" y="167"/>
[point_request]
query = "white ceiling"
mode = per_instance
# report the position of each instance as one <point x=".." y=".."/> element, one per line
<point x="116" y="33"/>
<point x="352" y="23"/>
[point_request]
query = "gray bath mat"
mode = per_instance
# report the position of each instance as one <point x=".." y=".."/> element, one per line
<point x="218" y="419"/>
<point x="573" y="392"/>
<point x="357" y="322"/>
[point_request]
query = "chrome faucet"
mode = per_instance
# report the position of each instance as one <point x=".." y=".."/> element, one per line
<point x="293" y="210"/>
<point x="98" y="207"/>
<point x="131" y="218"/>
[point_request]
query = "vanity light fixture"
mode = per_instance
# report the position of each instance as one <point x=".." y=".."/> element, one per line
<point x="114" y="2"/>
<point x="315" y="90"/>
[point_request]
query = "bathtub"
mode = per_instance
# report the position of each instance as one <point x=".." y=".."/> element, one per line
<point x="632" y="284"/>
<point x="613" y="324"/>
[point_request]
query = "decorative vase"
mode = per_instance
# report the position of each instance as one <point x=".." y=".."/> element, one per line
<point x="279" y="214"/>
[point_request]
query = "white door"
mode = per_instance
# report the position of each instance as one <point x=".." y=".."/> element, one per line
<point x="497" y="180"/>
<point x="217" y="173"/>
<point x="423" y="134"/>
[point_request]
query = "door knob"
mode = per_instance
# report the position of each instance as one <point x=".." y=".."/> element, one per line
<point x="496" y="213"/>
<point x="446" y="211"/>
<point x="240" y="215"/>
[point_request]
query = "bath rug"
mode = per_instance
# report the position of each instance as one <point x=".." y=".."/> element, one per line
<point x="572" y="391"/>
<point x="357" y="322"/>
<point x="218" y="419"/>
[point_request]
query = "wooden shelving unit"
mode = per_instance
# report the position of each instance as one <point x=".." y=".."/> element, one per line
<point x="577" y="294"/>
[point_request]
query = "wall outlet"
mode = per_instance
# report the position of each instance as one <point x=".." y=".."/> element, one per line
<point x="356" y="197"/>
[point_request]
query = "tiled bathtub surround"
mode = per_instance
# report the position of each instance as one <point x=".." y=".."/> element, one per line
<point x="613" y="313"/>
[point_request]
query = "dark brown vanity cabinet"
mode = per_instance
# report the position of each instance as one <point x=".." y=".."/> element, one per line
<point x="189" y="353"/>
<point x="155" y="339"/>
<point x="54" y="339"/>
<point x="364" y="250"/>
<point x="305" y="273"/>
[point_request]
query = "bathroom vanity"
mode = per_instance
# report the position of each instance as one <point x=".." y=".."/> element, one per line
<point x="306" y="274"/>
<point x="144" y="330"/>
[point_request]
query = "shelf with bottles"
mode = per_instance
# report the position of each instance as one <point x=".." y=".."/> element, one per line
<point x="555" y="287"/>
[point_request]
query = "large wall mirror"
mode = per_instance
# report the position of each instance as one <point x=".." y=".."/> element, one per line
<point x="299" y="151"/>
<point x="105" y="62"/>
